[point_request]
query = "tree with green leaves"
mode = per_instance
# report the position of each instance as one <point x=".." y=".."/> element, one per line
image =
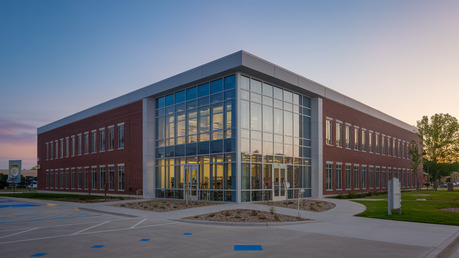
<point x="440" y="140"/>
<point x="415" y="160"/>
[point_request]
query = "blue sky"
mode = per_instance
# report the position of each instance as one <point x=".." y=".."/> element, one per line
<point x="60" y="57"/>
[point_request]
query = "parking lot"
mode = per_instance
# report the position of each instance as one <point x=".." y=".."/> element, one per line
<point x="51" y="229"/>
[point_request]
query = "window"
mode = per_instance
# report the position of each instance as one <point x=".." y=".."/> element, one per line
<point x="339" y="133"/>
<point x="389" y="146"/>
<point x="86" y="143"/>
<point x="385" y="176"/>
<point x="383" y="144"/>
<point x="66" y="178"/>
<point x="52" y="150"/>
<point x="47" y="151"/>
<point x="356" y="176"/>
<point x="121" y="177"/>
<point x="72" y="179"/>
<point x="364" y="177"/>
<point x="51" y="176"/>
<point x="371" y="178"/>
<point x="328" y="132"/>
<point x="356" y="138"/>
<point x="73" y="145"/>
<point x="102" y="177"/>
<point x="364" y="140"/>
<point x="393" y="147"/>
<point x="370" y="141"/>
<point x="47" y="178"/>
<point x="377" y="143"/>
<point x="86" y="177"/>
<point x="80" y="177"/>
<point x="348" y="176"/>
<point x="94" y="141"/>
<point x="338" y="175"/>
<point x="111" y="177"/>
<point x="57" y="149"/>
<point x="121" y="136"/>
<point x="348" y="136"/>
<point x="377" y="177"/>
<point x="111" y="137"/>
<point x="62" y="148"/>
<point x="94" y="177"/>
<point x="329" y="175"/>
<point x="67" y="147"/>
<point x="102" y="139"/>
<point x="61" y="179"/>
<point x="79" y="145"/>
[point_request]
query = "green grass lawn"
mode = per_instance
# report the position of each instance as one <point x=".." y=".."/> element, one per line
<point x="64" y="197"/>
<point x="427" y="211"/>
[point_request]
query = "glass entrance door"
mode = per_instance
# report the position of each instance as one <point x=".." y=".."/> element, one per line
<point x="279" y="183"/>
<point x="191" y="186"/>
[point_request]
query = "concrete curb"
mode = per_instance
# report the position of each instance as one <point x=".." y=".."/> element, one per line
<point x="242" y="224"/>
<point x="445" y="248"/>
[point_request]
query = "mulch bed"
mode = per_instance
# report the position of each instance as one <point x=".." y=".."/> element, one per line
<point x="165" y="205"/>
<point x="305" y="204"/>
<point x="245" y="216"/>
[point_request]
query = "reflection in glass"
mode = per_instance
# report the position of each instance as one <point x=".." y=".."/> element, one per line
<point x="267" y="90"/>
<point x="267" y="119"/>
<point x="245" y="116"/>
<point x="278" y="121"/>
<point x="255" y="116"/>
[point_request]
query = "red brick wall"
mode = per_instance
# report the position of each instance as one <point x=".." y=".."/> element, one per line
<point x="130" y="156"/>
<point x="335" y="154"/>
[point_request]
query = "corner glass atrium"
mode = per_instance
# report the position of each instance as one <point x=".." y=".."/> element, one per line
<point x="196" y="134"/>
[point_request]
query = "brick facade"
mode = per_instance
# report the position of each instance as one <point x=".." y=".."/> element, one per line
<point x="129" y="117"/>
<point x="368" y="158"/>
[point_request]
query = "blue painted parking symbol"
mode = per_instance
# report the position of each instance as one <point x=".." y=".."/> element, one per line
<point x="187" y="234"/>
<point x="38" y="254"/>
<point x="145" y="239"/>
<point x="97" y="246"/>
<point x="248" y="248"/>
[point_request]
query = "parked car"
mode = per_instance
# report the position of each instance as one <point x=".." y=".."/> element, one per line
<point x="32" y="186"/>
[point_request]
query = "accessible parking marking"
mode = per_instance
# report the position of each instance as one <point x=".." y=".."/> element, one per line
<point x="248" y="248"/>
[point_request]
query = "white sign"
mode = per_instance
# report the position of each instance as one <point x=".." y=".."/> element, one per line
<point x="394" y="196"/>
<point x="14" y="174"/>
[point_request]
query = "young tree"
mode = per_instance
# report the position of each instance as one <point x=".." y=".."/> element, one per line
<point x="415" y="160"/>
<point x="440" y="140"/>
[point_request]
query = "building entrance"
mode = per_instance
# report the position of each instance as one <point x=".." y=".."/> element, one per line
<point x="280" y="182"/>
<point x="191" y="186"/>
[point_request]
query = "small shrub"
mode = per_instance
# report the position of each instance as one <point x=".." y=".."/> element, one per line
<point x="211" y="215"/>
<point x="227" y="213"/>
<point x="262" y="217"/>
<point x="156" y="205"/>
<point x="254" y="213"/>
<point x="290" y="202"/>
<point x="238" y="212"/>
<point x="276" y="217"/>
<point x="352" y="195"/>
<point x="122" y="205"/>
<point x="238" y="217"/>
<point x="196" y="217"/>
<point x="162" y="207"/>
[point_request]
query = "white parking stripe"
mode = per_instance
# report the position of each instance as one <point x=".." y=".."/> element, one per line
<point x="100" y="224"/>
<point x="138" y="223"/>
<point x="19" y="232"/>
<point x="96" y="232"/>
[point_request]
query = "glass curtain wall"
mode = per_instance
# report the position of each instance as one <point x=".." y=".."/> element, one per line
<point x="197" y="126"/>
<point x="275" y="129"/>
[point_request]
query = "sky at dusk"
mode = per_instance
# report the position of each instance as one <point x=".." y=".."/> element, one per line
<point x="60" y="57"/>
